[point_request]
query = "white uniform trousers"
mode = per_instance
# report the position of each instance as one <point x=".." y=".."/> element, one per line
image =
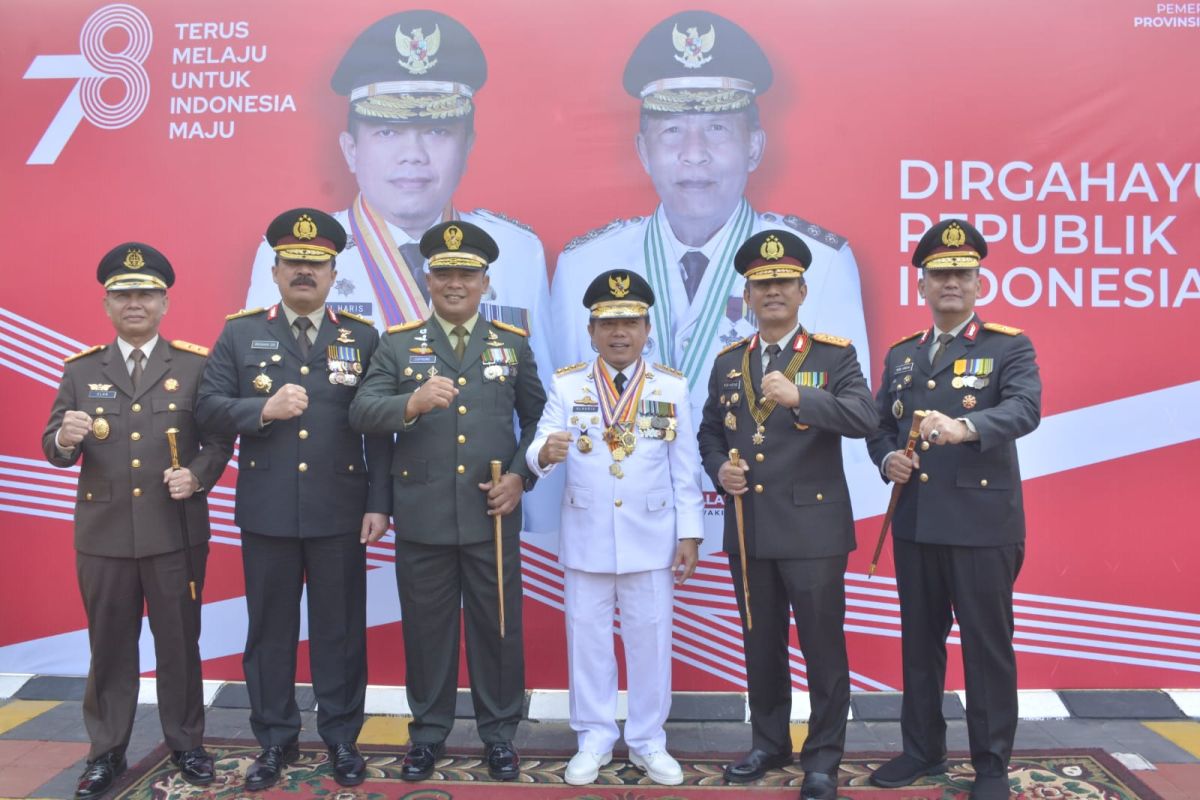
<point x="645" y="600"/>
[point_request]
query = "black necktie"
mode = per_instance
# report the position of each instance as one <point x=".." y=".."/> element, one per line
<point x="302" y="324"/>
<point x="619" y="382"/>
<point x="772" y="353"/>
<point x="694" y="263"/>
<point x="944" y="340"/>
<point x="416" y="265"/>
<point x="136" y="375"/>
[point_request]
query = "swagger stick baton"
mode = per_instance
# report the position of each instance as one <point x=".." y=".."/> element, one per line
<point x="183" y="526"/>
<point x="741" y="528"/>
<point x="914" y="433"/>
<point x="498" y="522"/>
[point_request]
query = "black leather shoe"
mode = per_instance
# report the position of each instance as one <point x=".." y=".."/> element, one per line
<point x="818" y="786"/>
<point x="990" y="787"/>
<point x="349" y="768"/>
<point x="504" y="764"/>
<point x="195" y="765"/>
<point x="99" y="775"/>
<point x="903" y="770"/>
<point x="269" y="765"/>
<point x="420" y="760"/>
<point x="754" y="764"/>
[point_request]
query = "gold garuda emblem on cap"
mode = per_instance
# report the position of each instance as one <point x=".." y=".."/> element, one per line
<point x="772" y="248"/>
<point x="692" y="46"/>
<point x="305" y="228"/>
<point x="453" y="237"/>
<point x="134" y="259"/>
<point x="619" y="285"/>
<point x="417" y="50"/>
<point x="954" y="236"/>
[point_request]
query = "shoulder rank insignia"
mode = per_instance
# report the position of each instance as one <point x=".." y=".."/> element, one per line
<point x="998" y="328"/>
<point x="504" y="326"/>
<point x="405" y="326"/>
<point x="82" y="353"/>
<point x="813" y="230"/>
<point x="904" y="339"/>
<point x="505" y="218"/>
<point x="180" y="344"/>
<point x="352" y="315"/>
<point x="668" y="370"/>
<point x="570" y="368"/>
<point x="596" y="233"/>
<point x="733" y="346"/>
<point x="245" y="312"/>
<point x="826" y="338"/>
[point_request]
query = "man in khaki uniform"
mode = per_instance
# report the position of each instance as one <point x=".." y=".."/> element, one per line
<point x="114" y="407"/>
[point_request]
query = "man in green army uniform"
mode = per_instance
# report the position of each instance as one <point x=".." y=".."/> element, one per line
<point x="448" y="387"/>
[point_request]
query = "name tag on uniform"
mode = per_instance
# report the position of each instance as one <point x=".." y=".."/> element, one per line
<point x="264" y="344"/>
<point x="422" y="359"/>
<point x="100" y="394"/>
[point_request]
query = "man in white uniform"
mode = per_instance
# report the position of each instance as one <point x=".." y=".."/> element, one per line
<point x="697" y="76"/>
<point x="631" y="521"/>
<point x="411" y="79"/>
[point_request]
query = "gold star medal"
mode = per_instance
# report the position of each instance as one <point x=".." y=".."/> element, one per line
<point x="261" y="383"/>
<point x="730" y="421"/>
<point x="584" y="443"/>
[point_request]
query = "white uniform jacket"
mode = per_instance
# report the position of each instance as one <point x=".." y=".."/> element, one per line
<point x="633" y="523"/>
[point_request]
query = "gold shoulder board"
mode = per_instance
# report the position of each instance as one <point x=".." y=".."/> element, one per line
<point x="733" y="346"/>
<point x="504" y="326"/>
<point x="998" y="328"/>
<point x="904" y="339"/>
<point x="82" y="353"/>
<point x="406" y="326"/>
<point x="180" y="344"/>
<point x="826" y="338"/>
<point x="358" y="317"/>
<point x="668" y="370"/>
<point x="245" y="312"/>
<point x="570" y="368"/>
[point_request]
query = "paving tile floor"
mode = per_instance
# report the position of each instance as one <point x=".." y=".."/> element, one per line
<point x="43" y="747"/>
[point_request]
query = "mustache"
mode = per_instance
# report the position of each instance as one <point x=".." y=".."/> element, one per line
<point x="303" y="280"/>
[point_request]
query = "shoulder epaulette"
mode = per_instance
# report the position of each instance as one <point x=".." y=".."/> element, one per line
<point x="733" y="346"/>
<point x="180" y="344"/>
<point x="82" y="353"/>
<point x="505" y="218"/>
<point x="358" y="317"/>
<point x="904" y="339"/>
<point x="570" y="368"/>
<point x="595" y="233"/>
<point x="998" y="328"/>
<point x="668" y="370"/>
<point x="504" y="326"/>
<point x="812" y="230"/>
<point x="406" y="326"/>
<point x="245" y="312"/>
<point x="827" y="338"/>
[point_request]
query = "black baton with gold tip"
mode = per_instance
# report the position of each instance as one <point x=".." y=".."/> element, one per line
<point x="183" y="525"/>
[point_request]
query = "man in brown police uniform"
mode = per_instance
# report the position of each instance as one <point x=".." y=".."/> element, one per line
<point x="113" y="410"/>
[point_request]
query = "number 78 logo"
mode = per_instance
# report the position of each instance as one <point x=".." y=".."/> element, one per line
<point x="93" y="66"/>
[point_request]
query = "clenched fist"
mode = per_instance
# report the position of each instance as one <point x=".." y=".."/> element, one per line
<point x="75" y="426"/>
<point x="733" y="478"/>
<point x="777" y="387"/>
<point x="437" y="392"/>
<point x="555" y="450"/>
<point x="290" y="401"/>
<point x="899" y="467"/>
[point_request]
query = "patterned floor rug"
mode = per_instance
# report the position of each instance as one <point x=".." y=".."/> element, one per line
<point x="1050" y="775"/>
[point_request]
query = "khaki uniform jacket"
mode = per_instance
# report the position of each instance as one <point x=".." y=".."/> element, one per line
<point x="123" y="508"/>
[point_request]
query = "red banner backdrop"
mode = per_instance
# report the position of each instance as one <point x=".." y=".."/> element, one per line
<point x="1064" y="131"/>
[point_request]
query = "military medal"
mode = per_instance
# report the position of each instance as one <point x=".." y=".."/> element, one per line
<point x="277" y="358"/>
<point x="957" y="382"/>
<point x="171" y="385"/>
<point x="433" y="371"/>
<point x="619" y="411"/>
<point x="261" y="383"/>
<point x="897" y="409"/>
<point x="759" y="435"/>
<point x="408" y="371"/>
<point x="968" y="401"/>
<point x="584" y="443"/>
<point x="730" y="421"/>
<point x="761" y="409"/>
<point x="492" y="371"/>
<point x="735" y="397"/>
<point x="100" y="428"/>
<point x="344" y="336"/>
<point x="615" y="470"/>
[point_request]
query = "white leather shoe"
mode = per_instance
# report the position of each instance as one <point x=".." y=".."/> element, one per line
<point x="660" y="766"/>
<point x="584" y="767"/>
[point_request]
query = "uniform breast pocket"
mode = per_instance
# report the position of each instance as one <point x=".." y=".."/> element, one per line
<point x="577" y="497"/>
<point x="172" y="412"/>
<point x="660" y="501"/>
<point x="987" y="478"/>
<point x="411" y="470"/>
